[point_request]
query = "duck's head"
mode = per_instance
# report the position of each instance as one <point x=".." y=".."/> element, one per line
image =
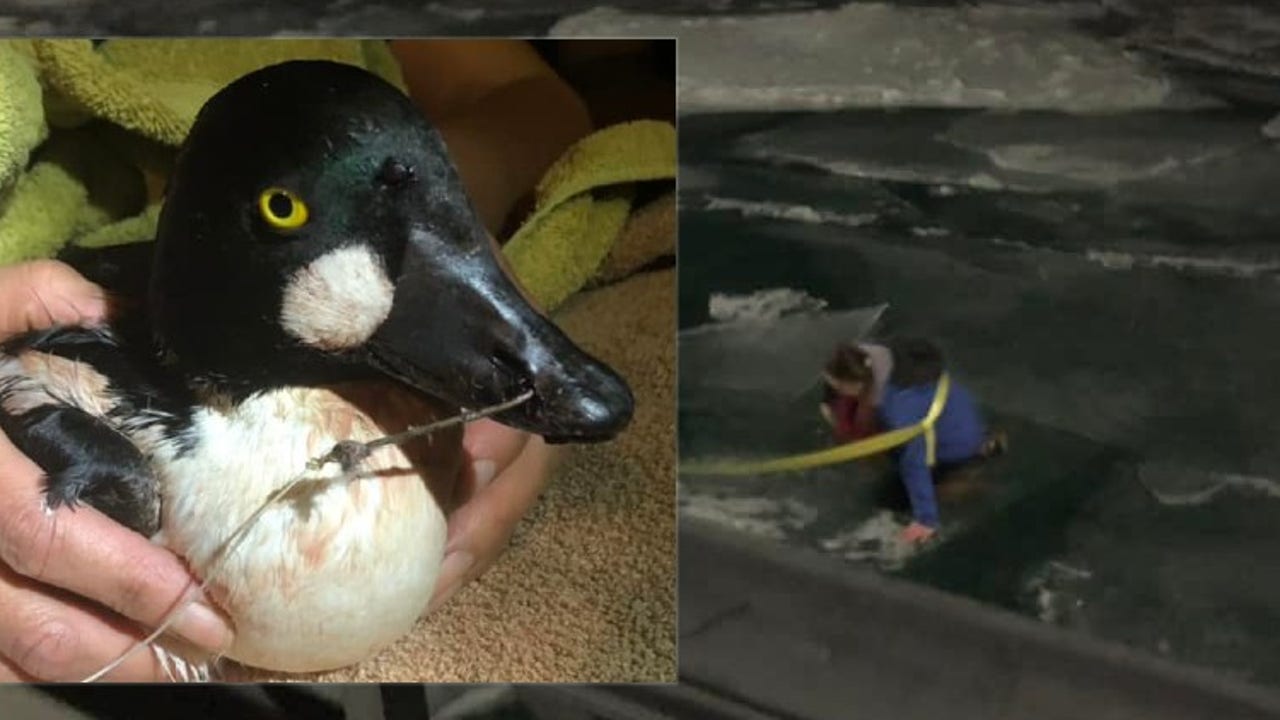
<point x="315" y="230"/>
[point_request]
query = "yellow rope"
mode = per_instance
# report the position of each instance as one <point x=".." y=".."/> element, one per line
<point x="849" y="451"/>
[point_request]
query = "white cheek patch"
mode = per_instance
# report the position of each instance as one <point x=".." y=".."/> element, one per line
<point x="339" y="300"/>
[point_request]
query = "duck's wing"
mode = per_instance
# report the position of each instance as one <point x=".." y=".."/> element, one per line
<point x="90" y="412"/>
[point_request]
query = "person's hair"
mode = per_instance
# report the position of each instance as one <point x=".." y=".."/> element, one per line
<point x="916" y="361"/>
<point x="850" y="364"/>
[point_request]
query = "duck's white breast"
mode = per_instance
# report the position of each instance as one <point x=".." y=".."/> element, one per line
<point x="326" y="577"/>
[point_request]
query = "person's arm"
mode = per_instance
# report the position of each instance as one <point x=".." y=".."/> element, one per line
<point x="913" y="467"/>
<point x="827" y="405"/>
<point x="919" y="482"/>
<point x="505" y="114"/>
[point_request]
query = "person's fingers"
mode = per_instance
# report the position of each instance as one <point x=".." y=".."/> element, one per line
<point x="490" y="448"/>
<point x="480" y="529"/>
<point x="10" y="673"/>
<point x="55" y="638"/>
<point x="89" y="554"/>
<point x="42" y="293"/>
<point x="494" y="510"/>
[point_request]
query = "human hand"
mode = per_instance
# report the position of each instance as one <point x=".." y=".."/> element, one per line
<point x="76" y="588"/>
<point x="917" y="533"/>
<point x="508" y="470"/>
<point x="825" y="409"/>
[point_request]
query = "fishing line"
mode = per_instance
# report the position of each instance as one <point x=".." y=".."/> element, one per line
<point x="348" y="454"/>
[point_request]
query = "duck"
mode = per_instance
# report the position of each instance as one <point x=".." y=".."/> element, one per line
<point x="318" y="276"/>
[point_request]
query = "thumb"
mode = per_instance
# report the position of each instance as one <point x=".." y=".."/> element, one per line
<point x="41" y="293"/>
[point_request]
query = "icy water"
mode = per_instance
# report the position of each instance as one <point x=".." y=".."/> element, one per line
<point x="1108" y="286"/>
<point x="1078" y="201"/>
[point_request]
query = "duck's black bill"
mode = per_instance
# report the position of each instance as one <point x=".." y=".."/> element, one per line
<point x="460" y="330"/>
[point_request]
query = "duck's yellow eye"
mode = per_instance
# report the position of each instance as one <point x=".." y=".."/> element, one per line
<point x="282" y="209"/>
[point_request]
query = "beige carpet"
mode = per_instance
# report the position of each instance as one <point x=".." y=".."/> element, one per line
<point x="586" y="592"/>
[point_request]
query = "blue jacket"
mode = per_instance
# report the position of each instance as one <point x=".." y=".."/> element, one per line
<point x="959" y="431"/>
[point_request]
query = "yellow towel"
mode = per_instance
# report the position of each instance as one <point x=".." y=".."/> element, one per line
<point x="47" y="206"/>
<point x="22" y="122"/>
<point x="154" y="88"/>
<point x="582" y="204"/>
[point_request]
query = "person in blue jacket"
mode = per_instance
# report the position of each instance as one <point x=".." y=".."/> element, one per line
<point x="907" y="374"/>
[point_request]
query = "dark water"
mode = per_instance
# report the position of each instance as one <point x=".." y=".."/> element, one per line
<point x="1108" y="286"/>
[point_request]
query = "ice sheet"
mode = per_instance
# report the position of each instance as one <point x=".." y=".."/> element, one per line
<point x="873" y="54"/>
<point x="780" y="357"/>
<point x="1230" y="35"/>
<point x="1272" y="128"/>
<point x="877" y="540"/>
<point x="763" y="305"/>
<point x="1026" y="152"/>
<point x="771" y="518"/>
<point x="1181" y="485"/>
<point x="787" y="211"/>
